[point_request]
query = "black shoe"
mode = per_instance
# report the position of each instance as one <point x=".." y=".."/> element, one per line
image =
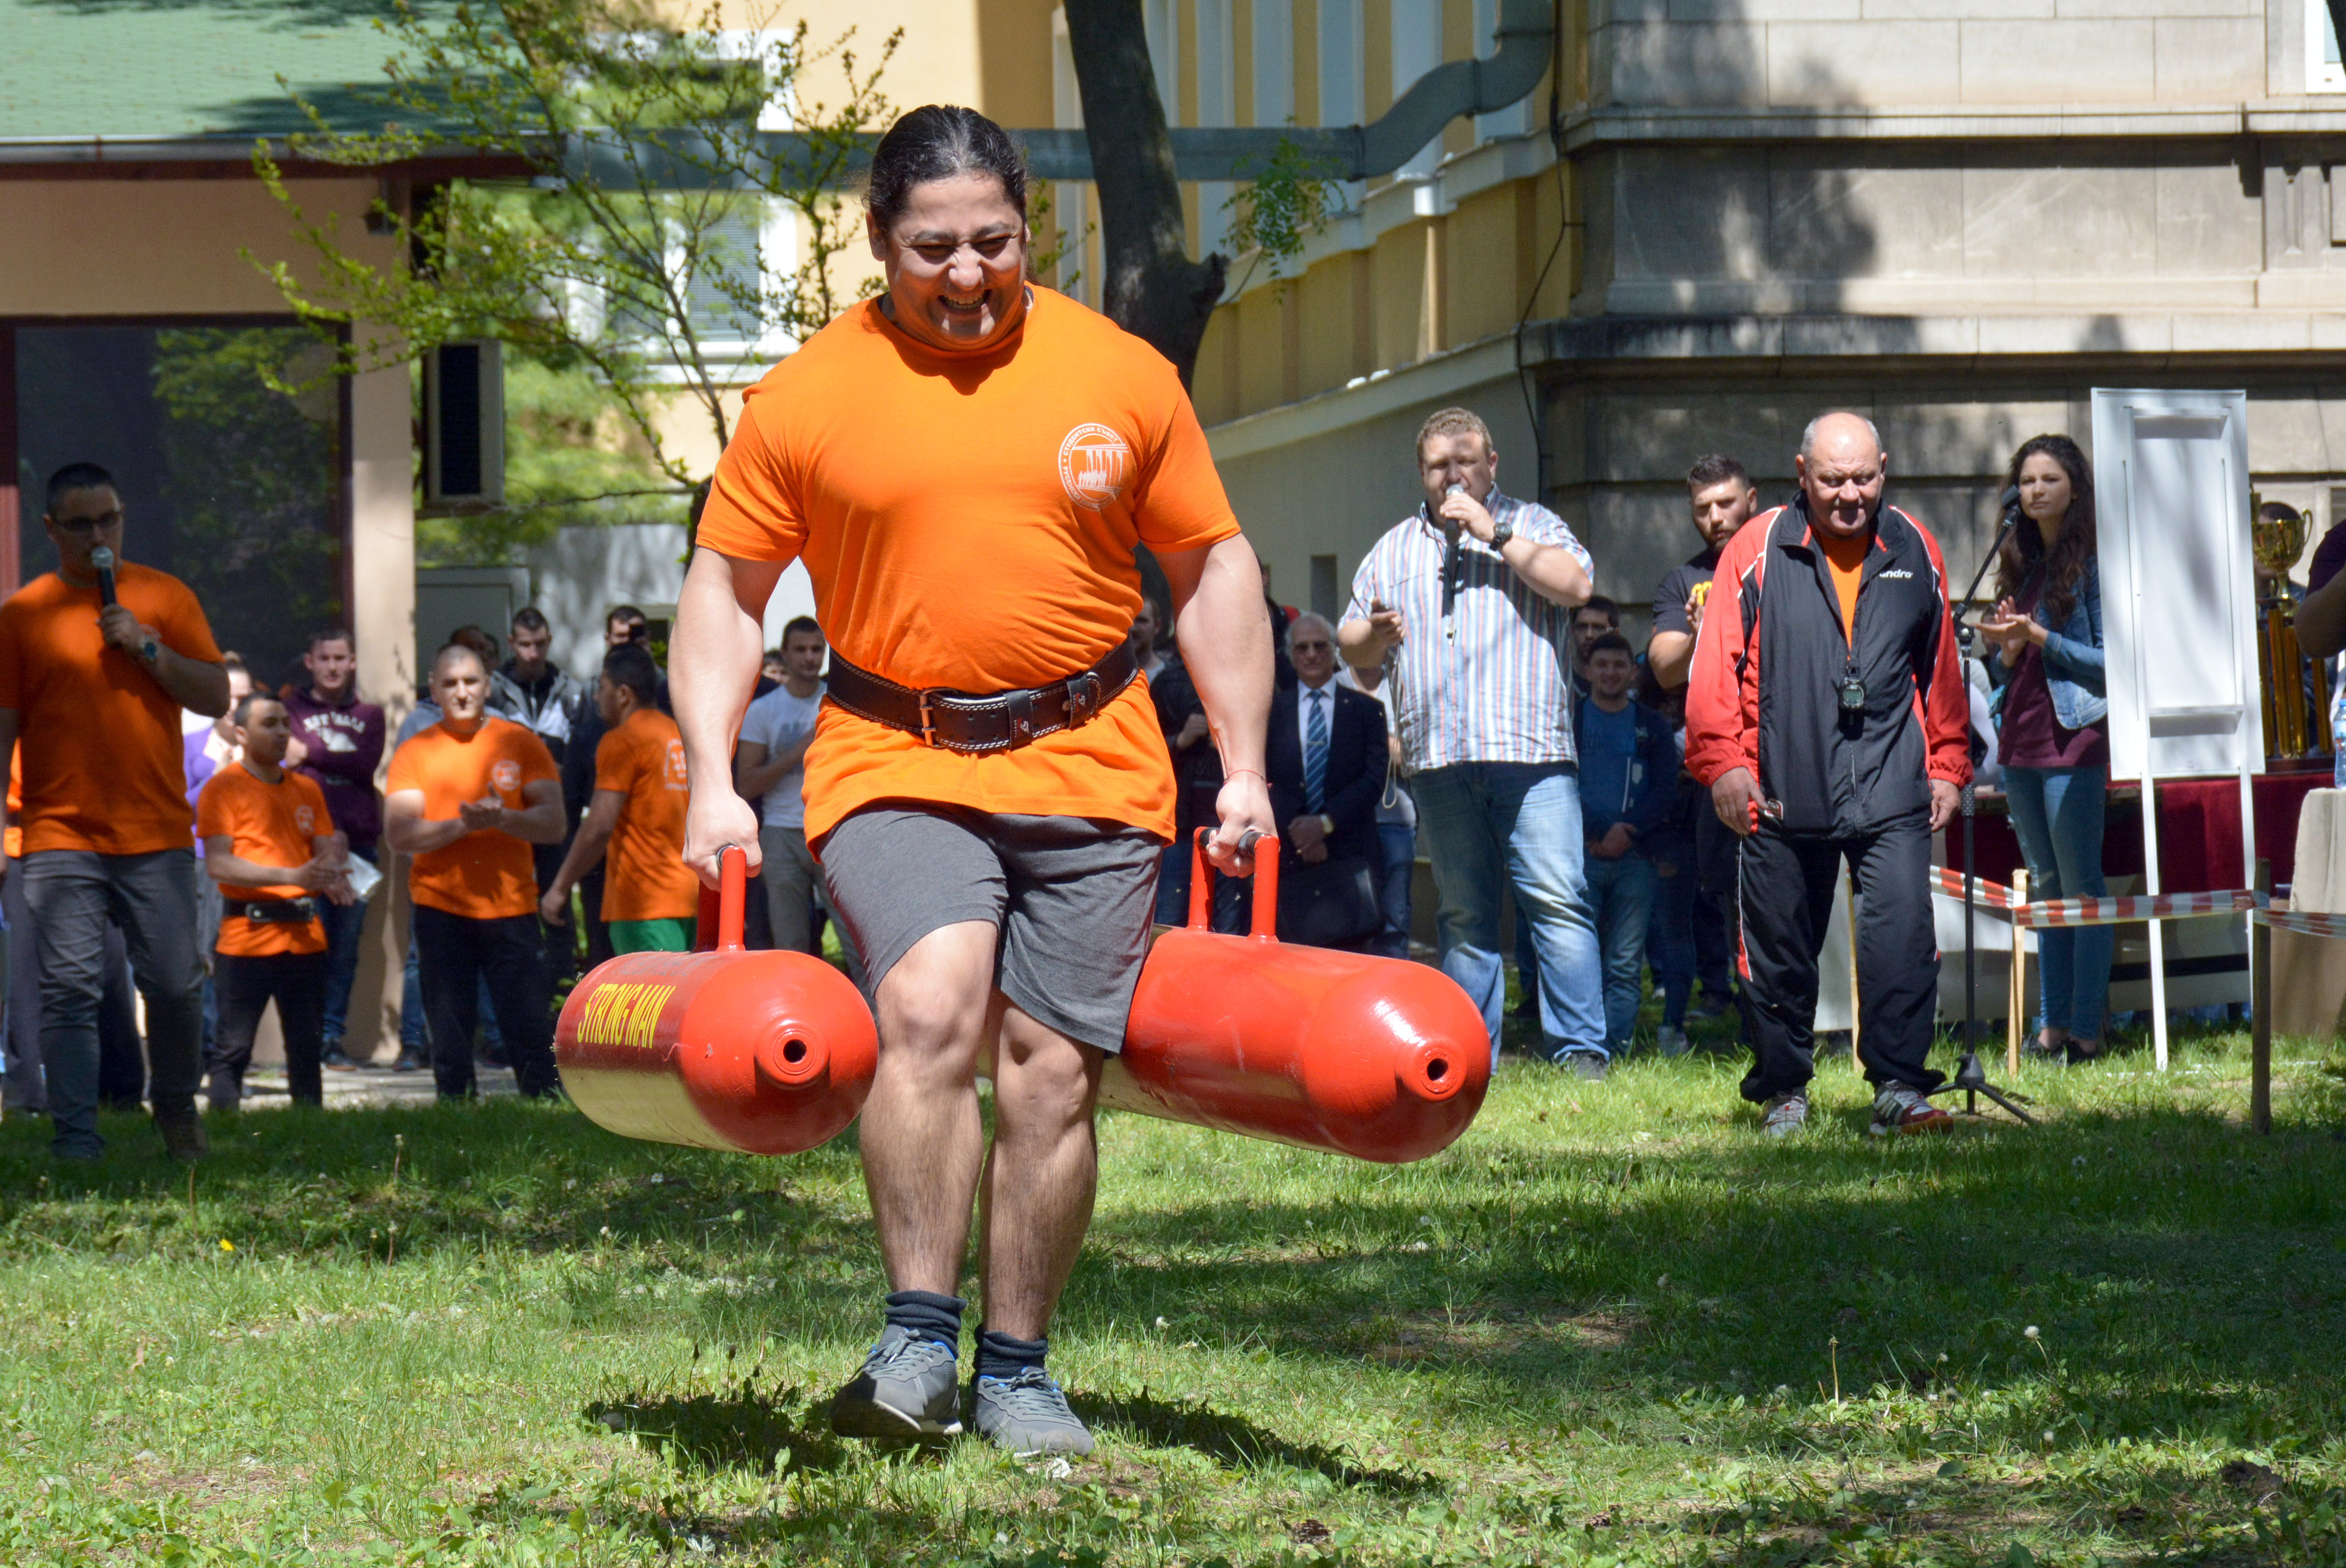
<point x="410" y="1062"/>
<point x="333" y="1059"/>
<point x="183" y="1135"/>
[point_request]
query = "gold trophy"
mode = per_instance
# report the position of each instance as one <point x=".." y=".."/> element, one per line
<point x="2289" y="727"/>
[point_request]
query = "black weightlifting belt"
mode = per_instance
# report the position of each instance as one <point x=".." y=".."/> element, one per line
<point x="275" y="912"/>
<point x="975" y="722"/>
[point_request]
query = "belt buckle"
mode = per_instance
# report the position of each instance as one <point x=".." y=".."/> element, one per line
<point x="928" y="723"/>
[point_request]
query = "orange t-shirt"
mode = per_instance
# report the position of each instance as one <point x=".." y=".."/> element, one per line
<point x="481" y="876"/>
<point x="969" y="522"/>
<point x="1846" y="557"/>
<point x="270" y="825"/>
<point x="645" y="876"/>
<point x="13" y="843"/>
<point x="103" y="766"/>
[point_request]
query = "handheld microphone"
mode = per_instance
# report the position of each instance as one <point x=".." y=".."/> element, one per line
<point x="101" y="561"/>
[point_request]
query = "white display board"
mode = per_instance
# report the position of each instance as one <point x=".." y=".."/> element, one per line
<point x="2178" y="608"/>
<point x="2178" y="589"/>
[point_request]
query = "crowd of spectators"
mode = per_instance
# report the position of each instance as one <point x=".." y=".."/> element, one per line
<point x="1682" y="809"/>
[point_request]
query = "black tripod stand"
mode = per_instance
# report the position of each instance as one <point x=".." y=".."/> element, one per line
<point x="1969" y="1077"/>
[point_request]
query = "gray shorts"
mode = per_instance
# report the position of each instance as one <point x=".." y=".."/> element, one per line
<point x="1070" y="896"/>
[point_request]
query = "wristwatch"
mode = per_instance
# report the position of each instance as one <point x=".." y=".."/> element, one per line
<point x="1500" y="533"/>
<point x="149" y="650"/>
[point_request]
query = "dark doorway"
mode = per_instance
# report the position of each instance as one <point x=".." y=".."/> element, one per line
<point x="230" y="486"/>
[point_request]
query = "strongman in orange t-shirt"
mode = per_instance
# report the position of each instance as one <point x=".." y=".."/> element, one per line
<point x="650" y="896"/>
<point x="95" y="690"/>
<point x="467" y="798"/>
<point x="271" y="844"/>
<point x="966" y="464"/>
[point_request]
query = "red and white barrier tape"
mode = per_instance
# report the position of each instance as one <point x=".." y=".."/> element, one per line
<point x="2040" y="914"/>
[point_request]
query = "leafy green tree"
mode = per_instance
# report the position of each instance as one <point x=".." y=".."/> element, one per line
<point x="615" y="249"/>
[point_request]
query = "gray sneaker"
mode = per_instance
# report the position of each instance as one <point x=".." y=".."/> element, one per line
<point x="1027" y="1414"/>
<point x="1671" y="1040"/>
<point x="1784" y="1116"/>
<point x="906" y="1391"/>
<point x="1589" y="1064"/>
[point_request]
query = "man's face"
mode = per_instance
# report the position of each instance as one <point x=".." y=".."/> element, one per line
<point x="1314" y="653"/>
<point x="608" y="700"/>
<point x="1145" y="628"/>
<point x="265" y="731"/>
<point x="956" y="260"/>
<point x="460" y="685"/>
<point x="802" y="657"/>
<point x="529" y="645"/>
<point x="81" y="521"/>
<point x="330" y="663"/>
<point x="1458" y="458"/>
<point x="1843" y="477"/>
<point x="624" y="630"/>
<point x="1611" y="674"/>
<point x="1721" y="509"/>
<point x="1587" y="625"/>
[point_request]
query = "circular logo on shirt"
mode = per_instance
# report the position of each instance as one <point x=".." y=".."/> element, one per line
<point x="506" y="775"/>
<point x="305" y="819"/>
<point x="1094" y="463"/>
<point x="677" y="778"/>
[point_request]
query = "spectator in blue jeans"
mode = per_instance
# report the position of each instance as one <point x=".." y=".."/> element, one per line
<point x="2053" y="737"/>
<point x="1628" y="784"/>
<point x="1466" y="605"/>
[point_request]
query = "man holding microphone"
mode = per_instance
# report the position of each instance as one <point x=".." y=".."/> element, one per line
<point x="96" y="660"/>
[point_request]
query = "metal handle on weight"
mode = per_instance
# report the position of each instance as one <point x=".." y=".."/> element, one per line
<point x="718" y="929"/>
<point x="1264" y="923"/>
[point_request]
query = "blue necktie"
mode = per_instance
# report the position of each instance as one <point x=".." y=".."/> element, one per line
<point x="1315" y="752"/>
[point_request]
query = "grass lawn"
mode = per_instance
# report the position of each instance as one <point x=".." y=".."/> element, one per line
<point x="1610" y="1325"/>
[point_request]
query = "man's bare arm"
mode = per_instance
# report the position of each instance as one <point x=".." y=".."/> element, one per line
<point x="1225" y="636"/>
<point x="586" y="851"/>
<point x="1670" y="655"/>
<point x="2321" y="620"/>
<point x="714" y="655"/>
<point x="1554" y="572"/>
<point x="540" y="821"/>
<point x="756" y="771"/>
<point x="409" y="831"/>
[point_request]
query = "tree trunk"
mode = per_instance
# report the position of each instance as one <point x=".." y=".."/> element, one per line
<point x="1153" y="290"/>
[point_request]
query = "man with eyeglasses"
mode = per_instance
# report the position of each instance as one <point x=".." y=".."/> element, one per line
<point x="96" y="660"/>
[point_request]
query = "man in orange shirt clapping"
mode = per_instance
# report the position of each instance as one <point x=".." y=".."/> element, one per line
<point x="467" y="798"/>
<point x="96" y="660"/>
<point x="271" y="844"/>
<point x="650" y="896"/>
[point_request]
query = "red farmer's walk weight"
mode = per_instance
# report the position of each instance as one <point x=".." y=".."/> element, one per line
<point x="763" y="1053"/>
<point x="772" y="1053"/>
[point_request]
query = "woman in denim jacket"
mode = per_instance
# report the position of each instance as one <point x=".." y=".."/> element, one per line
<point x="2053" y="738"/>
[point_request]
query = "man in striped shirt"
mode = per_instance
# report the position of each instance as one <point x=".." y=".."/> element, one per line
<point x="1467" y="603"/>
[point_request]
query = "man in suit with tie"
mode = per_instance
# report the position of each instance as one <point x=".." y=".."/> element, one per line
<point x="1325" y="756"/>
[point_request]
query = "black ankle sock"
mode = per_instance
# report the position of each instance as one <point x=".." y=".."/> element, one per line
<point x="1000" y="1355"/>
<point x="928" y="1315"/>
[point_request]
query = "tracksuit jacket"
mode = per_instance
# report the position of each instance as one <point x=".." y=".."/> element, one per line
<point x="1763" y="692"/>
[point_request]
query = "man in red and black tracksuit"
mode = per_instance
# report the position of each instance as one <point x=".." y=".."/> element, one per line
<point x="1826" y="711"/>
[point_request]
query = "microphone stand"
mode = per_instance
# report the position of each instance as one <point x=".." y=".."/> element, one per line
<point x="1969" y="1077"/>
